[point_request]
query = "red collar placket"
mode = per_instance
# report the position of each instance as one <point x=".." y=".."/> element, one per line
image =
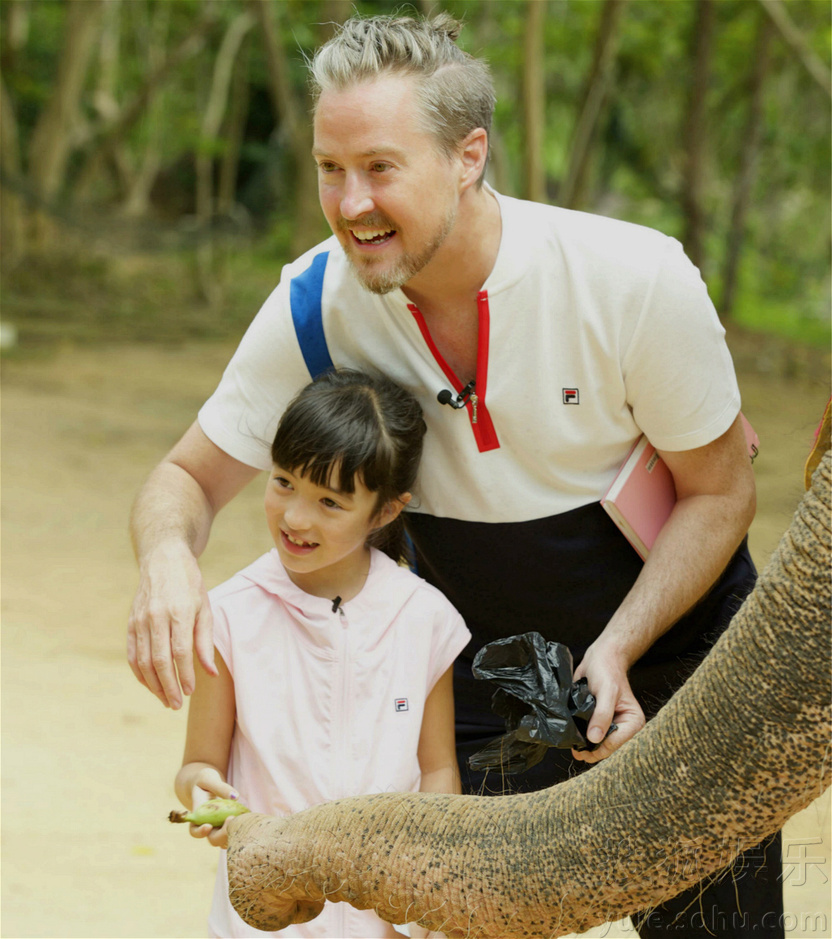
<point x="480" y="420"/>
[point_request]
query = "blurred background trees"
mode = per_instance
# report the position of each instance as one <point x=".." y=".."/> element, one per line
<point x="180" y="130"/>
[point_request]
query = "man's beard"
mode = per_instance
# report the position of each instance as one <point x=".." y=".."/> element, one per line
<point x="406" y="267"/>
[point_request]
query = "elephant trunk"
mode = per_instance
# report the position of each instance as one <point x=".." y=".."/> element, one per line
<point x="738" y="750"/>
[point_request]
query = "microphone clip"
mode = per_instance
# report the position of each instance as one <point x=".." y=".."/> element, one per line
<point x="457" y="401"/>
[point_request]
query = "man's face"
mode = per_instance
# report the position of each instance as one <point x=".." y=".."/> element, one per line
<point x="389" y="193"/>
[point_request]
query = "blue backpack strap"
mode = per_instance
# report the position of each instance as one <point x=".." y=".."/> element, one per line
<point x="305" y="300"/>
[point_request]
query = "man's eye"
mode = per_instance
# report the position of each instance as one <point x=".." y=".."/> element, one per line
<point x="326" y="167"/>
<point x="380" y="167"/>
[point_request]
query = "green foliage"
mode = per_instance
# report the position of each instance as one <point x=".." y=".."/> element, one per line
<point x="140" y="297"/>
<point x="638" y="156"/>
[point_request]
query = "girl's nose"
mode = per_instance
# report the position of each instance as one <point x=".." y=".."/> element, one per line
<point x="296" y="516"/>
<point x="356" y="199"/>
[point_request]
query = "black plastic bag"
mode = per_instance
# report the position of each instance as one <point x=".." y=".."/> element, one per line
<point x="541" y="704"/>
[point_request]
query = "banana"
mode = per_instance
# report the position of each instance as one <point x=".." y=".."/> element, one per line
<point x="213" y="812"/>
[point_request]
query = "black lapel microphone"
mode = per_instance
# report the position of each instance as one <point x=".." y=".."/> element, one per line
<point x="457" y="401"/>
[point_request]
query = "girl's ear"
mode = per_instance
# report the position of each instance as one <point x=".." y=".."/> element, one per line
<point x="391" y="510"/>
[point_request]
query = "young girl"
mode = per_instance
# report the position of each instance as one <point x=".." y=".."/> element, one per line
<point x="334" y="661"/>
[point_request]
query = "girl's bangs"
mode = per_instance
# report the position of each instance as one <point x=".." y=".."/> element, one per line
<point x="329" y="452"/>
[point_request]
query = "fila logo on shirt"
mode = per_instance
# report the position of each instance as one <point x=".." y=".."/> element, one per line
<point x="401" y="704"/>
<point x="571" y="396"/>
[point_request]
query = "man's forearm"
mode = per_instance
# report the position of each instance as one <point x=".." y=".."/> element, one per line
<point x="169" y="525"/>
<point x="690" y="553"/>
<point x="715" y="507"/>
<point x="170" y="507"/>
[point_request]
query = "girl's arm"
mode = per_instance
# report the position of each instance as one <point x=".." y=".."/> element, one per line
<point x="437" y="756"/>
<point x="211" y="717"/>
<point x="437" y="741"/>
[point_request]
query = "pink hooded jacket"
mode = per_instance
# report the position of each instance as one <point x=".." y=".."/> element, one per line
<point x="329" y="703"/>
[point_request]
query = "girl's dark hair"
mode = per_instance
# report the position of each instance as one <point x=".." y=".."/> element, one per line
<point x="362" y="426"/>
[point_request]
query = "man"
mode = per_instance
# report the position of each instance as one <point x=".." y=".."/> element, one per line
<point x="564" y="336"/>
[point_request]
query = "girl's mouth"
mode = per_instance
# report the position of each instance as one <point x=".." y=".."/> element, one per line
<point x="297" y="546"/>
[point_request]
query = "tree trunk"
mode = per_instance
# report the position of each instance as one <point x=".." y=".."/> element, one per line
<point x="740" y="748"/>
<point x="208" y="269"/>
<point x="534" y="101"/>
<point x="104" y="97"/>
<point x="695" y="134"/>
<point x="292" y="115"/>
<point x="105" y="100"/>
<point x="595" y="94"/>
<point x="234" y="131"/>
<point x="12" y="208"/>
<point x="14" y="34"/>
<point x="795" y="40"/>
<point x="748" y="164"/>
<point x="111" y="136"/>
<point x="52" y="138"/>
<point x="137" y="196"/>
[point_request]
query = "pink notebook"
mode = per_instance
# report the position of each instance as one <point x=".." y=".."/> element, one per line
<point x="642" y="495"/>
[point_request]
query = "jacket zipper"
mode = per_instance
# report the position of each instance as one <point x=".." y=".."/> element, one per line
<point x="481" y="423"/>
<point x="344" y="703"/>
<point x="339" y="751"/>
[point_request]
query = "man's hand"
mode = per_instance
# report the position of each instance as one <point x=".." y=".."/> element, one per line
<point x="615" y="703"/>
<point x="170" y="524"/>
<point x="170" y="617"/>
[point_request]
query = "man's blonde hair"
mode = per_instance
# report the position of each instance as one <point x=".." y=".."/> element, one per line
<point x="455" y="90"/>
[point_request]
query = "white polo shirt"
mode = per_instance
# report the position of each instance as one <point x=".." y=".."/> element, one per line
<point x="592" y="331"/>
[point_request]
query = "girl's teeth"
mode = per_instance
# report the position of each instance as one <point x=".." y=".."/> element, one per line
<point x="300" y="544"/>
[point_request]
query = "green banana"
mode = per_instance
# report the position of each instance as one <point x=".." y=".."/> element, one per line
<point x="213" y="812"/>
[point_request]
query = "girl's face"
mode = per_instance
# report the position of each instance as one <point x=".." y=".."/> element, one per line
<point x="321" y="532"/>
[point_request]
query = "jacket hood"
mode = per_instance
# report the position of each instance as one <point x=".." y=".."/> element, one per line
<point x="387" y="589"/>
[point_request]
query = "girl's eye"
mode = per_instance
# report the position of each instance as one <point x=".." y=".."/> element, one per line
<point x="281" y="482"/>
<point x="330" y="503"/>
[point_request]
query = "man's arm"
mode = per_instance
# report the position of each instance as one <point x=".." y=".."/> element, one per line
<point x="715" y="505"/>
<point x="170" y="524"/>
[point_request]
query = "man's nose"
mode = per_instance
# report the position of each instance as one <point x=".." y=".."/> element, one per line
<point x="356" y="199"/>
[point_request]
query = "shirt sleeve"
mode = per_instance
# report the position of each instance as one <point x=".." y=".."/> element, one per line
<point x="263" y="375"/>
<point x="678" y="372"/>
<point x="450" y="636"/>
<point x="222" y="634"/>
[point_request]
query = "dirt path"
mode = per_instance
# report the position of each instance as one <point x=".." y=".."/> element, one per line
<point x="88" y="755"/>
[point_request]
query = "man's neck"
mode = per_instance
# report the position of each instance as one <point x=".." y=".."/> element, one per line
<point x="461" y="266"/>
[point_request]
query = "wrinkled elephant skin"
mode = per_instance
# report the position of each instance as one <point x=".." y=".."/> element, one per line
<point x="737" y="751"/>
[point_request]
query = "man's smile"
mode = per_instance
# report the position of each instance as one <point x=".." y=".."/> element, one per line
<point x="375" y="237"/>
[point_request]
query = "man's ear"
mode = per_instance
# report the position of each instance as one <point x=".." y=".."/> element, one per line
<point x="473" y="151"/>
<point x="391" y="510"/>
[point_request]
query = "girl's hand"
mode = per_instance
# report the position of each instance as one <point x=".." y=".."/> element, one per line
<point x="210" y="784"/>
